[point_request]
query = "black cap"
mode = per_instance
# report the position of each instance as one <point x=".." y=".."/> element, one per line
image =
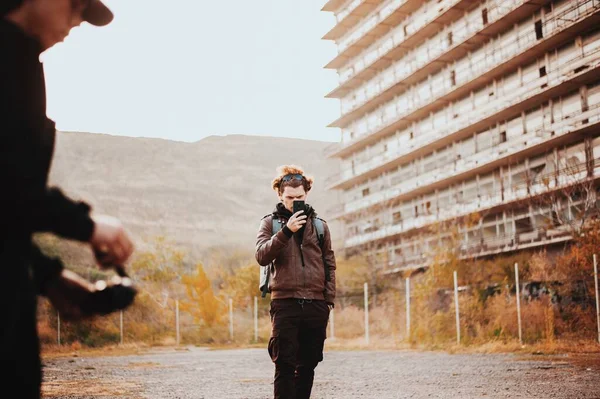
<point x="96" y="13"/>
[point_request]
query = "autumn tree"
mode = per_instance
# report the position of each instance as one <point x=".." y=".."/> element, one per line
<point x="159" y="270"/>
<point x="202" y="303"/>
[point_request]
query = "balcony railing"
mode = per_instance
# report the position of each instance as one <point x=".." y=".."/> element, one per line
<point x="333" y="5"/>
<point x="413" y="67"/>
<point x="364" y="34"/>
<point x="568" y="124"/>
<point x="569" y="176"/>
<point x="412" y="187"/>
<point x="350" y="16"/>
<point x="493" y="59"/>
<point x="340" y="16"/>
<point x="489" y="246"/>
<point x="503" y="101"/>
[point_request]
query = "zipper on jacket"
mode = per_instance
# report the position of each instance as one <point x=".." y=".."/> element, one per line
<point x="303" y="267"/>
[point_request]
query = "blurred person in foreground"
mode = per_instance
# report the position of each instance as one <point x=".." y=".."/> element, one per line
<point x="28" y="205"/>
<point x="295" y="246"/>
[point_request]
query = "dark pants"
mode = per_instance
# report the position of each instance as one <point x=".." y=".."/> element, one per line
<point x="296" y="344"/>
<point x="19" y="345"/>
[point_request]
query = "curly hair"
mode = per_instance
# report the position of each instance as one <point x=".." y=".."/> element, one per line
<point x="279" y="185"/>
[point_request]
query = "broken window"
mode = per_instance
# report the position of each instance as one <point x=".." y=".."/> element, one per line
<point x="538" y="29"/>
<point x="502" y="137"/>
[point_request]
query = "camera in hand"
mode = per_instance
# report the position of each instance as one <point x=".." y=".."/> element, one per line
<point x="109" y="297"/>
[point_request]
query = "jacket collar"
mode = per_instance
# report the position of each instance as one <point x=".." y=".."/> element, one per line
<point x="282" y="211"/>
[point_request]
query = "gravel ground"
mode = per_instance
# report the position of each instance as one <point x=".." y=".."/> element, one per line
<point x="194" y="373"/>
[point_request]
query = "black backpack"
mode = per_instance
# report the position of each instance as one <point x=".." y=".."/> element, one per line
<point x="277" y="224"/>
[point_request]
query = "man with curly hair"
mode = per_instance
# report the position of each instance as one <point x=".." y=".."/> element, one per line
<point x="302" y="284"/>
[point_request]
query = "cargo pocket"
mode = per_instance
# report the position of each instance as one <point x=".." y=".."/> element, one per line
<point x="274" y="346"/>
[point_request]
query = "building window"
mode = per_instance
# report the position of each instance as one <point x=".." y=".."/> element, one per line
<point x="503" y="137"/>
<point x="450" y="38"/>
<point x="538" y="30"/>
<point x="416" y="211"/>
<point x="484" y="16"/>
<point x="523" y="225"/>
<point x="453" y="78"/>
<point x="542" y="72"/>
<point x="412" y="136"/>
<point x="555" y="218"/>
<point x="366" y="192"/>
<point x="536" y="170"/>
<point x="397" y="217"/>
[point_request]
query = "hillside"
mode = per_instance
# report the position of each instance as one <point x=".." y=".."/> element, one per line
<point x="209" y="193"/>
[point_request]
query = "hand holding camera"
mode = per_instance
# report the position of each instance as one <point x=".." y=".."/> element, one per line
<point x="110" y="242"/>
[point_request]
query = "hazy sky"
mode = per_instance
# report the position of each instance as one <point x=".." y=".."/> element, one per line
<point x="187" y="69"/>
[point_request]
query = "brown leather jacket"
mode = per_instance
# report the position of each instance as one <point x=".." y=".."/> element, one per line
<point x="298" y="268"/>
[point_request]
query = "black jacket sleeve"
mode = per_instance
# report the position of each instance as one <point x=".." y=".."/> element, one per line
<point x="27" y="137"/>
<point x="30" y="205"/>
<point x="44" y="269"/>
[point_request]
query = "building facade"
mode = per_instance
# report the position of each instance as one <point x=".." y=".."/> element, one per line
<point x="478" y="114"/>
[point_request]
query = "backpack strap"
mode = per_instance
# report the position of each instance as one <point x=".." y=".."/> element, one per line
<point x="318" y="222"/>
<point x="276" y="225"/>
<point x="320" y="228"/>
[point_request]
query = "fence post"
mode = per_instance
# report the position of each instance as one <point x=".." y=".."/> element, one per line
<point x="366" y="289"/>
<point x="518" y="302"/>
<point x="596" y="292"/>
<point x="456" y="308"/>
<point x="332" y="324"/>
<point x="408" y="308"/>
<point x="58" y="328"/>
<point x="231" y="318"/>
<point x="255" y="319"/>
<point x="121" y="326"/>
<point x="177" y="331"/>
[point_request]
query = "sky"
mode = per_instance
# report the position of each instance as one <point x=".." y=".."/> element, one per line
<point x="187" y="69"/>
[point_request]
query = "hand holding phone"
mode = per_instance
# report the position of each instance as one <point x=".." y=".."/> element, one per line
<point x="298" y="218"/>
<point x="299" y="206"/>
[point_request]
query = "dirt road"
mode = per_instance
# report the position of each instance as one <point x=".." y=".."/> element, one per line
<point x="194" y="373"/>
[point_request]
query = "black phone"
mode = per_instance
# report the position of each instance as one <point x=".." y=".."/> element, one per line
<point x="299" y="206"/>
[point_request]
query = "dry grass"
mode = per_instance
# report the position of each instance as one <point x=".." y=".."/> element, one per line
<point x="91" y="388"/>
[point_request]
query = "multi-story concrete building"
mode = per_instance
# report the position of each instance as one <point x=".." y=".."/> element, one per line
<point x="455" y="108"/>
